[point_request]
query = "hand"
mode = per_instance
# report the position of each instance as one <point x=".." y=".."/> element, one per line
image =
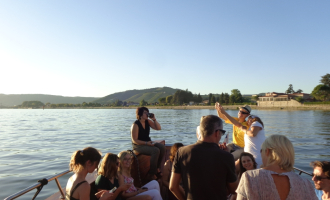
<point x="125" y="187"/>
<point x="219" y="108"/>
<point x="223" y="146"/>
<point x="153" y="117"/>
<point x="150" y="143"/>
<point x="104" y="195"/>
<point x="140" y="190"/>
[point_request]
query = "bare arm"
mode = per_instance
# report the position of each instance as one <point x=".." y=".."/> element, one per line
<point x="154" y="123"/>
<point x="254" y="131"/>
<point x="217" y="104"/>
<point x="232" y="187"/>
<point x="175" y="186"/>
<point x="166" y="174"/>
<point x="134" y="136"/>
<point x="221" y="110"/>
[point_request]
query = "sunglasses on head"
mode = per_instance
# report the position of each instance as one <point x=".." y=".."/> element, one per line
<point x="318" y="178"/>
<point x="222" y="131"/>
<point x="245" y="113"/>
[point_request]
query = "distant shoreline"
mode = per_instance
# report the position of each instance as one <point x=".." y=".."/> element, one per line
<point x="230" y="107"/>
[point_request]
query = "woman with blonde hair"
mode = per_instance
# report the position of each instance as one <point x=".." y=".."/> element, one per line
<point x="149" y="191"/>
<point x="83" y="162"/>
<point x="108" y="179"/>
<point x="276" y="180"/>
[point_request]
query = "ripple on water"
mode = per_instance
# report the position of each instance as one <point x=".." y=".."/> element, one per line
<point x="35" y="144"/>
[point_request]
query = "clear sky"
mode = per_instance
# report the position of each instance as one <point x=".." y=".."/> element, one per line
<point x="96" y="48"/>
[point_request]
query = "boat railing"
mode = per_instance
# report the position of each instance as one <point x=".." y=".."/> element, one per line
<point x="302" y="171"/>
<point x="39" y="186"/>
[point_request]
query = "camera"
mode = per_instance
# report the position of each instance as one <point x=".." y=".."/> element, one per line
<point x="151" y="115"/>
<point x="113" y="190"/>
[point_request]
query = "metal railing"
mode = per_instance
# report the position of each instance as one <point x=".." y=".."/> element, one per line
<point x="302" y="171"/>
<point x="38" y="185"/>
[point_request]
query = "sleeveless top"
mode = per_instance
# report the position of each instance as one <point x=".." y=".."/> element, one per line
<point x="253" y="144"/>
<point x="259" y="184"/>
<point x="143" y="132"/>
<point x="131" y="181"/>
<point x="69" y="197"/>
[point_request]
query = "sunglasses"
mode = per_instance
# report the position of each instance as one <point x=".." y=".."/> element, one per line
<point x="222" y="131"/>
<point x="245" y="113"/>
<point x="318" y="178"/>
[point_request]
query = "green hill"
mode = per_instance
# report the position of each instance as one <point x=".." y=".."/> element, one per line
<point x="150" y="95"/>
<point x="17" y="99"/>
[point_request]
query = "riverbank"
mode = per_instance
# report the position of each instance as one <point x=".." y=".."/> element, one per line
<point x="230" y="107"/>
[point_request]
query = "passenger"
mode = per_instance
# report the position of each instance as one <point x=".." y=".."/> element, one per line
<point x="198" y="130"/>
<point x="253" y="137"/>
<point x="142" y="143"/>
<point x="148" y="191"/>
<point x="108" y="179"/>
<point x="168" y="169"/>
<point x="246" y="162"/>
<point x="321" y="178"/>
<point x="276" y="180"/>
<point x="237" y="147"/>
<point x="206" y="170"/>
<point x="83" y="162"/>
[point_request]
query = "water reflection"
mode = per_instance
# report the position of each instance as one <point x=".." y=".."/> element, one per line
<point x="38" y="143"/>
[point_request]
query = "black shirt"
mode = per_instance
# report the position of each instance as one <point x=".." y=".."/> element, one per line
<point x="143" y="132"/>
<point x="205" y="169"/>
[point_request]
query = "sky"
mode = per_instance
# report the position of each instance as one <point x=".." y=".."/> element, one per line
<point x="96" y="48"/>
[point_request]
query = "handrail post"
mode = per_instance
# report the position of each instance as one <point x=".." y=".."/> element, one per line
<point x="60" y="188"/>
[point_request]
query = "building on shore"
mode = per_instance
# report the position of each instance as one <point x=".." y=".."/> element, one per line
<point x="274" y="99"/>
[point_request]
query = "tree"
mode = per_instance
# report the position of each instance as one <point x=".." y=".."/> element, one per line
<point x="210" y="98"/>
<point x="226" y="98"/>
<point x="326" y="79"/>
<point x="162" y="100"/>
<point x="299" y="91"/>
<point x="222" y="98"/>
<point x="169" y="99"/>
<point x="289" y="90"/>
<point x="236" y="96"/>
<point x="213" y="99"/>
<point x="321" y="92"/>
<point x="182" y="96"/>
<point x="256" y="97"/>
<point x="143" y="102"/>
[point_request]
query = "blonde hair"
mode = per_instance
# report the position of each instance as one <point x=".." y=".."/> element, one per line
<point x="80" y="157"/>
<point x="122" y="156"/>
<point x="281" y="151"/>
<point x="108" y="166"/>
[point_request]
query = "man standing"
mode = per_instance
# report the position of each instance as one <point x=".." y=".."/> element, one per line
<point x="206" y="170"/>
<point x="321" y="178"/>
<point x="237" y="147"/>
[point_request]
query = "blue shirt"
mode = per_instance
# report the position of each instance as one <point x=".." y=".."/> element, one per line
<point x="319" y="194"/>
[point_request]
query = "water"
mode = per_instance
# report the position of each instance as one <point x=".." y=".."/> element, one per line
<point x="36" y="144"/>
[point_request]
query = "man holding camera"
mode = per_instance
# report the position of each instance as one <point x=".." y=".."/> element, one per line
<point x="206" y="170"/>
<point x="237" y="147"/>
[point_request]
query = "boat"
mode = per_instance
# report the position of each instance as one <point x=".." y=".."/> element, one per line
<point x="140" y="168"/>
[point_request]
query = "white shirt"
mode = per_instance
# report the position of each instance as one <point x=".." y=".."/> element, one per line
<point x="253" y="144"/>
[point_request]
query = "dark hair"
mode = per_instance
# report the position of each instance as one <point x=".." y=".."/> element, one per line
<point x="174" y="149"/>
<point x="242" y="169"/>
<point x="139" y="112"/>
<point x="109" y="166"/>
<point x="257" y="119"/>
<point x="325" y="165"/>
<point x="208" y="125"/>
<point x="80" y="157"/>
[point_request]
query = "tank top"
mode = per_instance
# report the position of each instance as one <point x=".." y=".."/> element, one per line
<point x="91" y="195"/>
<point x="143" y="132"/>
<point x="69" y="197"/>
<point x="131" y="181"/>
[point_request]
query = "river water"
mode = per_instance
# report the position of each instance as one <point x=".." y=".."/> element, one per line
<point x="36" y="144"/>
